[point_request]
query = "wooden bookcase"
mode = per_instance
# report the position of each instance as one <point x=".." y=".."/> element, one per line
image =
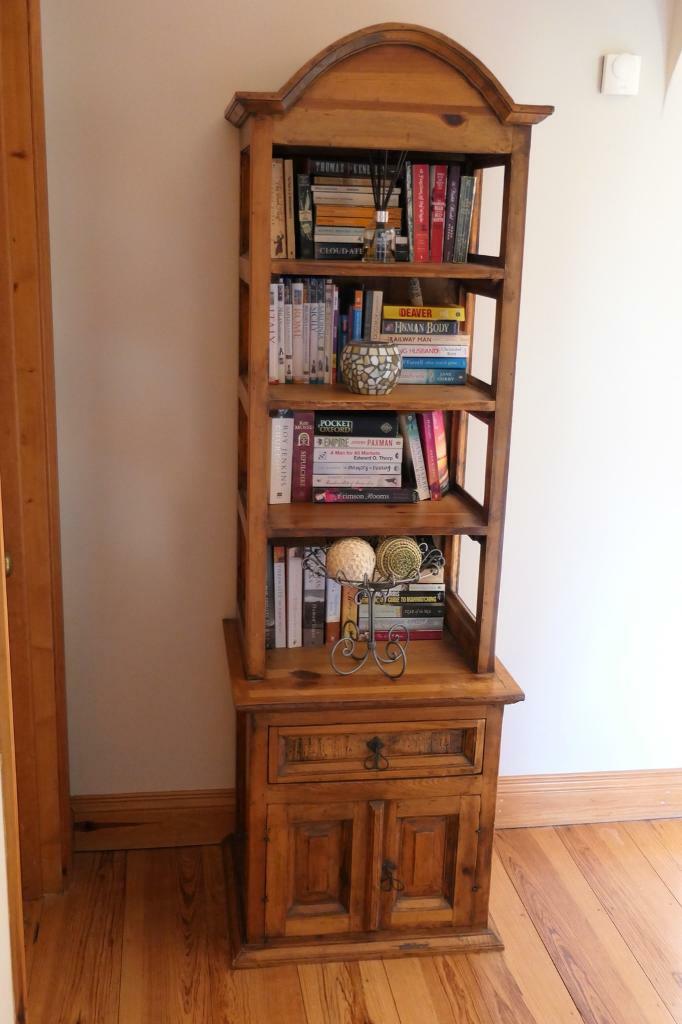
<point x="314" y="836"/>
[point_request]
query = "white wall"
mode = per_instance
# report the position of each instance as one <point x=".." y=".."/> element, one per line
<point x="6" y="987"/>
<point x="143" y="186"/>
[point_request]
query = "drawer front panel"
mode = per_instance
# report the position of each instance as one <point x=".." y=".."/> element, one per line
<point x="328" y="753"/>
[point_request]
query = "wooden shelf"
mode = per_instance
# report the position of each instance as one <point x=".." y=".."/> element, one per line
<point x="406" y="397"/>
<point x="357" y="268"/>
<point x="303" y="678"/>
<point x="455" y="513"/>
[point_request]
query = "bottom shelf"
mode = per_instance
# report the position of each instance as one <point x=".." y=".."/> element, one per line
<point x="437" y="671"/>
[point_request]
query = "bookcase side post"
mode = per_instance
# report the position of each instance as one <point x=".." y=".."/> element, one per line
<point x="260" y="144"/>
<point x="511" y="251"/>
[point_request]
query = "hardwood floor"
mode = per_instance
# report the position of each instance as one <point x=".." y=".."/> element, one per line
<point x="591" y="917"/>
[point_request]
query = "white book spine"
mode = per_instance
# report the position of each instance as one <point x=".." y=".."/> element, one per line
<point x="281" y="374"/>
<point x="334" y="332"/>
<point x="273" y="371"/>
<point x="386" y="443"/>
<point x="280" y="594"/>
<point x="306" y="342"/>
<point x="297" y="330"/>
<point x="421" y="351"/>
<point x="294" y="597"/>
<point x="281" y="454"/>
<point x="328" y="324"/>
<point x="312" y="356"/>
<point x="333" y="601"/>
<point x="360" y="468"/>
<point x="321" y="330"/>
<point x="365" y="480"/>
<point x="359" y="456"/>
<point x="288" y="343"/>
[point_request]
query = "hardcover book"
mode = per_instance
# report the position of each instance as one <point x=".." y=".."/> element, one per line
<point x="302" y="462"/>
<point x="439" y="174"/>
<point x="451" y="212"/>
<point x="467" y="189"/>
<point x="409" y="210"/>
<point x="289" y="208"/>
<point x="434" y="444"/>
<point x="294" y="596"/>
<point x="420" y="212"/>
<point x="415" y="466"/>
<point x="278" y="229"/>
<point x="280" y="594"/>
<point x="305" y="218"/>
<point x="313" y="601"/>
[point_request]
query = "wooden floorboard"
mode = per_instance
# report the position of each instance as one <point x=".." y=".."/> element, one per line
<point x="591" y="917"/>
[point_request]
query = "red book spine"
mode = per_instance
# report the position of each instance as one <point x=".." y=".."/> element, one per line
<point x="420" y="218"/>
<point x="440" y="178"/>
<point x="427" y="434"/>
<point x="302" y="467"/>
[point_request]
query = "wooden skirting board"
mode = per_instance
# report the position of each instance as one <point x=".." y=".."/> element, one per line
<point x="135" y="821"/>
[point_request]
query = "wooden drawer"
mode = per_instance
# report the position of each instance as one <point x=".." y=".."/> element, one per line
<point x="330" y="753"/>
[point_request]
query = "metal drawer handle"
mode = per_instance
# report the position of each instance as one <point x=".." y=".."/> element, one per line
<point x="376" y="760"/>
<point x="388" y="882"/>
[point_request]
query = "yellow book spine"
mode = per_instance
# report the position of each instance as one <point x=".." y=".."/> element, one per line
<point x="423" y="312"/>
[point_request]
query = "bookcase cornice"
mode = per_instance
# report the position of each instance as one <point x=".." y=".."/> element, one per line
<point x="246" y="104"/>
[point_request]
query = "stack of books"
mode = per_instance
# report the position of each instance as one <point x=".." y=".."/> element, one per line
<point x="304" y="609"/>
<point x="439" y="205"/>
<point x="357" y="458"/>
<point x="433" y="350"/>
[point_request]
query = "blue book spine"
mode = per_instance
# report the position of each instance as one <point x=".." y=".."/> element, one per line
<point x="433" y="377"/>
<point x="341" y="339"/>
<point x="433" y="363"/>
<point x="356" y="332"/>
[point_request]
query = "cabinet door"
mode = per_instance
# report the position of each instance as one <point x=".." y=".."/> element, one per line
<point x="429" y="861"/>
<point x="315" y="868"/>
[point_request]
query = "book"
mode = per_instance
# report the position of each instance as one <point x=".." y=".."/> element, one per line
<point x="288" y="334"/>
<point x="281" y="450"/>
<point x="297" y="331"/>
<point x="349" y="610"/>
<point x="390" y="458"/>
<point x="365" y="495"/>
<point x="273" y="341"/>
<point x="409" y="210"/>
<point x="341" y="342"/>
<point x="306" y="332"/>
<point x="280" y="594"/>
<point x="420" y="212"/>
<point x="359" y="470"/>
<point x="269" y="602"/>
<point x="423" y="612"/>
<point x="433" y="377"/>
<point x="351" y="187"/>
<point x="334" y="332"/>
<point x="412" y="634"/>
<point x="332" y="612"/>
<point x="346" y="199"/>
<point x="353" y="217"/>
<point x="422" y="350"/>
<point x="314" y="327"/>
<point x="338" y="250"/>
<point x="289" y="208"/>
<point x="434" y="445"/>
<point x="427" y="327"/>
<point x="451" y="212"/>
<point x="329" y="289"/>
<point x="373" y="320"/>
<point x="351" y="479"/>
<point x="294" y="602"/>
<point x="415" y="467"/>
<point x="278" y="229"/>
<point x="345" y="168"/>
<point x="356" y="424"/>
<point x="305" y="217"/>
<point x="424" y="312"/>
<point x="467" y="189"/>
<point x="359" y="443"/>
<point x="418" y="594"/>
<point x="356" y="321"/>
<point x="313" y="600"/>
<point x="281" y="371"/>
<point x="321" y="330"/>
<point x="302" y="459"/>
<point x="434" y="363"/>
<point x="438" y="183"/>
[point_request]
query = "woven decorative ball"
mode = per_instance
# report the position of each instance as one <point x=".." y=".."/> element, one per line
<point x="371" y="368"/>
<point x="352" y="558"/>
<point x="398" y="556"/>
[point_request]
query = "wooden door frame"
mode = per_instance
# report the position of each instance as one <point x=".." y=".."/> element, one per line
<point x="28" y="461"/>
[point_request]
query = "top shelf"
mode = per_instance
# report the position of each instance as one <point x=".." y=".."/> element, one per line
<point x="357" y="268"/>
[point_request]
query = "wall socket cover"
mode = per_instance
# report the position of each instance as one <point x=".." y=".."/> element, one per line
<point x="620" y="74"/>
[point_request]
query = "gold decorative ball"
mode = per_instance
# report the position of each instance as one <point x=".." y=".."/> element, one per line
<point x="352" y="558"/>
<point x="399" y="557"/>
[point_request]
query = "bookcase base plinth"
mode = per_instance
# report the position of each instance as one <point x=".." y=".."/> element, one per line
<point x="366" y="946"/>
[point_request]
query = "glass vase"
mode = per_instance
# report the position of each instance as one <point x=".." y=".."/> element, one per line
<point x="380" y="240"/>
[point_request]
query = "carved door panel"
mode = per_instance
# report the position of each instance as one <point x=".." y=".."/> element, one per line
<point x="429" y="862"/>
<point x="315" y="868"/>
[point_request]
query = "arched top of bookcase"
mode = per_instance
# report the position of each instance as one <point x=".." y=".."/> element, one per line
<point x="431" y="48"/>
